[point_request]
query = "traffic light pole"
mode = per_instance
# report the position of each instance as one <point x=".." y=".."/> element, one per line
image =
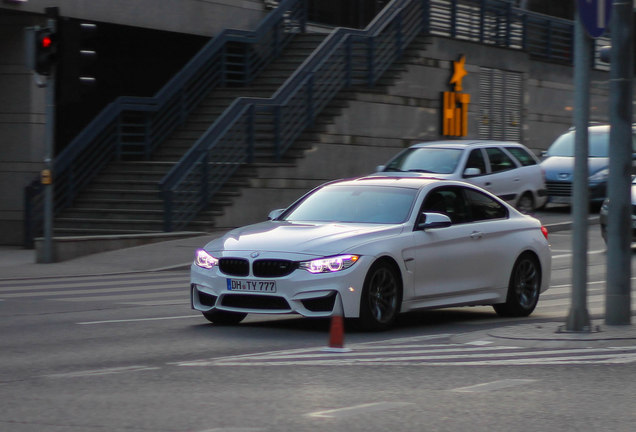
<point x="47" y="175"/>
<point x="619" y="224"/>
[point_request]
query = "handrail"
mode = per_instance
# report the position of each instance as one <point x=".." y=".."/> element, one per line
<point x="230" y="141"/>
<point x="134" y="126"/>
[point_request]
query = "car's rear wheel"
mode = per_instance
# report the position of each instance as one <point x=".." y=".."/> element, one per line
<point x="523" y="289"/>
<point x="224" y="317"/>
<point x="381" y="297"/>
<point x="526" y="203"/>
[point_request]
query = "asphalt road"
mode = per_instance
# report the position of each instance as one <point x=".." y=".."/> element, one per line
<point x="126" y="353"/>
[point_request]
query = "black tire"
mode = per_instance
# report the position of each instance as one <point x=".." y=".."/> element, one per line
<point x="223" y="317"/>
<point x="526" y="203"/>
<point x="381" y="297"/>
<point x="523" y="289"/>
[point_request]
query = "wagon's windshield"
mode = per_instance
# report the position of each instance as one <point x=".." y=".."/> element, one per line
<point x="426" y="160"/>
<point x="355" y="204"/>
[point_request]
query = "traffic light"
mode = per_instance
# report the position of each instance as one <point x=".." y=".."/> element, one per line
<point x="45" y="50"/>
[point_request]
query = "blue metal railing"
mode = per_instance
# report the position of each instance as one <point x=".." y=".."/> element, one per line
<point x="136" y="125"/>
<point x="347" y="57"/>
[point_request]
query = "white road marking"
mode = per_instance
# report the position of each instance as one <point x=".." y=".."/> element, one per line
<point x="495" y="385"/>
<point x="185" y="301"/>
<point x="99" y="372"/>
<point x="95" y="282"/>
<point x="359" y="409"/>
<point x="138" y="320"/>
<point x="119" y="298"/>
<point x="74" y="293"/>
<point x="567" y="255"/>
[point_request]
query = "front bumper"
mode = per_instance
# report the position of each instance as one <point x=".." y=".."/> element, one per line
<point x="300" y="292"/>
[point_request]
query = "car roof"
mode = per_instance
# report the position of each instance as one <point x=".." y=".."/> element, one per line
<point x="417" y="182"/>
<point x="462" y="144"/>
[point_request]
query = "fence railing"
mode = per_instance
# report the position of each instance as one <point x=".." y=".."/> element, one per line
<point x="134" y="126"/>
<point x="346" y="57"/>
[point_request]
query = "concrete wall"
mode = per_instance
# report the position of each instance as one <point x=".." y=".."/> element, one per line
<point x="205" y="18"/>
<point x="21" y="126"/>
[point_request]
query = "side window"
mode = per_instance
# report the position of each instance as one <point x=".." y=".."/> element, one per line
<point x="475" y="160"/>
<point x="499" y="161"/>
<point x="448" y="201"/>
<point x="482" y="207"/>
<point x="522" y="155"/>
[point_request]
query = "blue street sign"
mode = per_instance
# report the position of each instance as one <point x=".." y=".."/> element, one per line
<point x="595" y="15"/>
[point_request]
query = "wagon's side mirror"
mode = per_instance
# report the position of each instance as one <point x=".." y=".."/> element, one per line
<point x="380" y="168"/>
<point x="432" y="221"/>
<point x="472" y="172"/>
<point x="274" y="214"/>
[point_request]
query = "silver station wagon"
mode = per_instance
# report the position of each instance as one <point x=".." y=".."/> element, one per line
<point x="506" y="169"/>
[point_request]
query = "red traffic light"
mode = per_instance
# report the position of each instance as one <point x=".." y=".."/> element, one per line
<point x="46" y="42"/>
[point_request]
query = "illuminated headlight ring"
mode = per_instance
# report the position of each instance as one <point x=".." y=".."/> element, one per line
<point x="329" y="264"/>
<point x="205" y="260"/>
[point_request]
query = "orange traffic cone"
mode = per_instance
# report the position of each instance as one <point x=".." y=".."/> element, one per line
<point x="336" y="331"/>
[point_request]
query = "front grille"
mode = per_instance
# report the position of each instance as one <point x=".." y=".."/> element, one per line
<point x="322" y="304"/>
<point x="234" y="266"/>
<point x="563" y="189"/>
<point x="273" y="268"/>
<point x="251" y="301"/>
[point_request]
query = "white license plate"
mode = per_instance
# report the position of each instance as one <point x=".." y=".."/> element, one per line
<point x="251" y="285"/>
<point x="560" y="200"/>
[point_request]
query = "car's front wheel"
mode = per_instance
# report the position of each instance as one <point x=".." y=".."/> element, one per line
<point x="223" y="317"/>
<point x="381" y="297"/>
<point x="523" y="289"/>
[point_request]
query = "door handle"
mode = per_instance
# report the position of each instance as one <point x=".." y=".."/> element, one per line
<point x="476" y="235"/>
<point x="487" y="184"/>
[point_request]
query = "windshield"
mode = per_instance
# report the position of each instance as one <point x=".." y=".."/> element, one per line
<point x="564" y="145"/>
<point x="361" y="204"/>
<point x="426" y="160"/>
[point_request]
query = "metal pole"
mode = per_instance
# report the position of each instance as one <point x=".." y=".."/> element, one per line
<point x="578" y="318"/>
<point x="619" y="228"/>
<point x="48" y="162"/>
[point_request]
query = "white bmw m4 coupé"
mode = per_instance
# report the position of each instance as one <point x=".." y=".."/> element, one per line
<point x="374" y="247"/>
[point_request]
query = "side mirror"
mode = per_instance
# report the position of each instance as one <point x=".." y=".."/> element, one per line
<point x="380" y="168"/>
<point x="274" y="214"/>
<point x="472" y="172"/>
<point x="432" y="221"/>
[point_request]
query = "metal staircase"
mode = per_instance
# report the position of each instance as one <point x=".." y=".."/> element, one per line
<point x="123" y="198"/>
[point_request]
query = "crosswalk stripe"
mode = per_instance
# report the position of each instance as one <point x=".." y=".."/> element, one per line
<point x="74" y="293"/>
<point x="92" y="283"/>
<point x="122" y="297"/>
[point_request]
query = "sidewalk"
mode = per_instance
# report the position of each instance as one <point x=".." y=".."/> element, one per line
<point x="19" y="263"/>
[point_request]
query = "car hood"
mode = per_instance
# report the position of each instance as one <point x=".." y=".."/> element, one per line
<point x="319" y="239"/>
<point x="558" y="168"/>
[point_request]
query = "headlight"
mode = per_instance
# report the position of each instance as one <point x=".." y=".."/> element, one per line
<point x="204" y="259"/>
<point x="600" y="176"/>
<point x="329" y="264"/>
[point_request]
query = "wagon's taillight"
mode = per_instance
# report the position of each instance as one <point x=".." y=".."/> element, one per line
<point x="544" y="230"/>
